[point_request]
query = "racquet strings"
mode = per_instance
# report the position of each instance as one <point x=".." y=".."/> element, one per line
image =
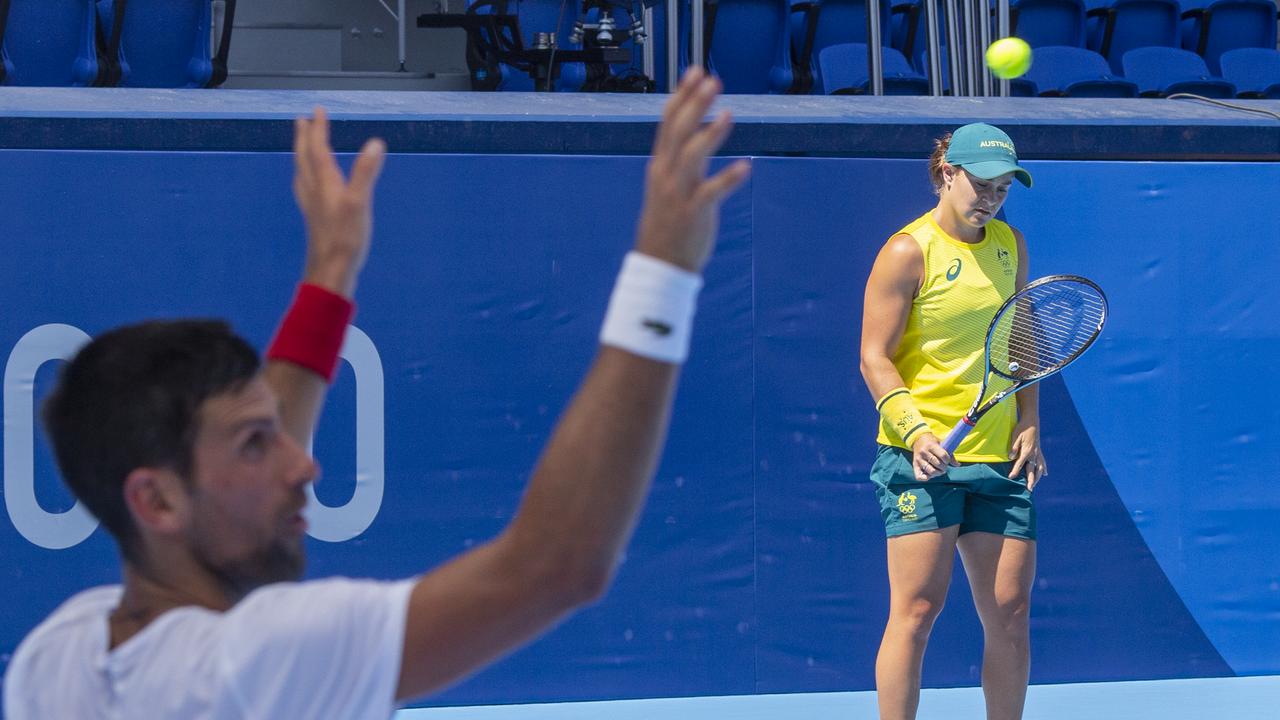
<point x="1045" y="328"/>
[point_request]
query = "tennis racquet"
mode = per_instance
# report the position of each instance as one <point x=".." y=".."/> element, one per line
<point x="1037" y="332"/>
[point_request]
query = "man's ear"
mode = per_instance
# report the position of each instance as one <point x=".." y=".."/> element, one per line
<point x="158" y="499"/>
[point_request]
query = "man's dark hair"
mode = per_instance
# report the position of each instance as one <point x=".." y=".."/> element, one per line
<point x="131" y="399"/>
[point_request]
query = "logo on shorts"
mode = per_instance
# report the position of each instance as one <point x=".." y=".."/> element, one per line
<point x="953" y="272"/>
<point x="907" y="505"/>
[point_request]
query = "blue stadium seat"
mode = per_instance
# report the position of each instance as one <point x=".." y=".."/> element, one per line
<point x="819" y="24"/>
<point x="1161" y="71"/>
<point x="911" y="35"/>
<point x="905" y="21"/>
<point x="1255" y="72"/>
<point x="1212" y="27"/>
<point x="166" y="43"/>
<point x="1076" y="72"/>
<point x="844" y="71"/>
<point x="1048" y="22"/>
<point x="1022" y="87"/>
<point x="49" y="42"/>
<point x="748" y="45"/>
<point x="1117" y="26"/>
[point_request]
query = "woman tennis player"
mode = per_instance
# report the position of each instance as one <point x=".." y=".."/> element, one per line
<point x="942" y="275"/>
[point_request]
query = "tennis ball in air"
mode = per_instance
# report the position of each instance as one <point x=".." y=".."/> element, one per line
<point x="1009" y="57"/>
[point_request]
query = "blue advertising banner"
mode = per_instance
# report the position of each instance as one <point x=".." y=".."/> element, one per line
<point x="759" y="562"/>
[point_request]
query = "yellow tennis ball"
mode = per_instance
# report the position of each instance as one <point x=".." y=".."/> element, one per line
<point x="1009" y="57"/>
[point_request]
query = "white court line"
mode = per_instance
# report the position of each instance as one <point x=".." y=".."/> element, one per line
<point x="1192" y="699"/>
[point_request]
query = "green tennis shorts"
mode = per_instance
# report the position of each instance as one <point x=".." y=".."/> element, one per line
<point x="979" y="497"/>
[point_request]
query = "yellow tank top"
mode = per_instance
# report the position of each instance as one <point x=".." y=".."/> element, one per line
<point x="941" y="355"/>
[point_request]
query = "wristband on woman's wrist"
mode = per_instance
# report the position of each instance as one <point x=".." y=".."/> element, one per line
<point x="900" y="413"/>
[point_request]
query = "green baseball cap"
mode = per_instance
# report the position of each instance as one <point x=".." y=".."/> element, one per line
<point x="985" y="151"/>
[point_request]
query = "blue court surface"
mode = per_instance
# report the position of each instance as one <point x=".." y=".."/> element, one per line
<point x="1195" y="699"/>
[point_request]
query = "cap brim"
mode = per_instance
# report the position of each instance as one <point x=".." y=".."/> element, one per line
<point x="995" y="168"/>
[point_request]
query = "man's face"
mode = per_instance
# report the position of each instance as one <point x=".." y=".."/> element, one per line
<point x="247" y="491"/>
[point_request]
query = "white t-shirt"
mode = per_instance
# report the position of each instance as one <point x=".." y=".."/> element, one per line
<point x="321" y="649"/>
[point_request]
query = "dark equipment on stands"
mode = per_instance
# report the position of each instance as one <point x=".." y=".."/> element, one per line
<point x="494" y="40"/>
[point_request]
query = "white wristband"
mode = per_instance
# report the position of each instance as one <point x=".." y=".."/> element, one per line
<point x="651" y="309"/>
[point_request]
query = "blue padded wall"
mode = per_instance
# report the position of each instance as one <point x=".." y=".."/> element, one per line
<point x="819" y="532"/>
<point x="759" y="563"/>
<point x="1177" y="404"/>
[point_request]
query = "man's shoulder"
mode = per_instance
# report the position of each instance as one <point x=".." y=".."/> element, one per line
<point x="305" y="600"/>
<point x="93" y="600"/>
<point x="304" y="590"/>
<point x="80" y="613"/>
<point x="71" y="638"/>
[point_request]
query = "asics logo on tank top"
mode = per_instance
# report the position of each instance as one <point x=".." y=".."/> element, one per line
<point x="953" y="272"/>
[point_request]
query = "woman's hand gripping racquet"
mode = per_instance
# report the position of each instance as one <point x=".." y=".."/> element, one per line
<point x="1037" y="332"/>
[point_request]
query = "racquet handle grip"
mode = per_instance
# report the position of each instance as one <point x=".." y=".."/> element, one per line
<point x="958" y="433"/>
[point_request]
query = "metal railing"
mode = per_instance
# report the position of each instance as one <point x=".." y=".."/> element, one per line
<point x="400" y="19"/>
<point x="967" y="24"/>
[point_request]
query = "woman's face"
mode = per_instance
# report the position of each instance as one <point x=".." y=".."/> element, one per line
<point x="973" y="200"/>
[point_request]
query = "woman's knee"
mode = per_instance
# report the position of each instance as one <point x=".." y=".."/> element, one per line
<point x="916" y="614"/>
<point x="1009" y="614"/>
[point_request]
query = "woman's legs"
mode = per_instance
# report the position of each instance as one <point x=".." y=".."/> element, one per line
<point x="919" y="575"/>
<point x="1001" y="570"/>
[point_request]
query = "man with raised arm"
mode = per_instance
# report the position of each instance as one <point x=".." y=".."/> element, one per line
<point x="192" y="454"/>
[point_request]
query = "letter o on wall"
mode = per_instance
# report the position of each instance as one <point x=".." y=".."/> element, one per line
<point x="55" y="531"/>
<point x="338" y="524"/>
<point x="58" y="531"/>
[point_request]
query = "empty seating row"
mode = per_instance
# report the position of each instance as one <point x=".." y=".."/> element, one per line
<point x="1114" y="27"/>
<point x="747" y="45"/>
<point x="1076" y="72"/>
<point x="777" y="46"/>
<point x="132" y="43"/>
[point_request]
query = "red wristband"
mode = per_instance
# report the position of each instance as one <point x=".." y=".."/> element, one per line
<point x="312" y="331"/>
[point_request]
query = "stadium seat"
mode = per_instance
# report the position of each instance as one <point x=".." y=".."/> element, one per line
<point x="1161" y="71"/>
<point x="1212" y="27"/>
<point x="819" y="24"/>
<point x="905" y="21"/>
<point x="844" y="71"/>
<point x="748" y="45"/>
<point x="1076" y="72"/>
<point x="166" y="43"/>
<point x="911" y="35"/>
<point x="49" y="42"/>
<point x="1048" y="22"/>
<point x="1255" y="72"/>
<point x="1117" y="26"/>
